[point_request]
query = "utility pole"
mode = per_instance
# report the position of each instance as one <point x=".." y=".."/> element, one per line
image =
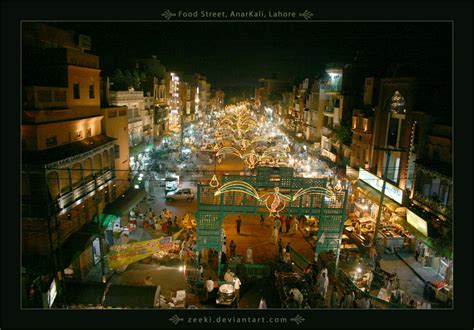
<point x="384" y="176"/>
<point x="99" y="230"/>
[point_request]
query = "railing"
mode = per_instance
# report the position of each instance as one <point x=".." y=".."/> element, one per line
<point x="333" y="88"/>
<point x="84" y="189"/>
<point x="298" y="259"/>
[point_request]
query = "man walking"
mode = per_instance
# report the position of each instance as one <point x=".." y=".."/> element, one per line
<point x="323" y="285"/>
<point x="280" y="248"/>
<point x="288" y="224"/>
<point x="278" y="224"/>
<point x="262" y="219"/>
<point x="233" y="247"/>
<point x="238" y="223"/>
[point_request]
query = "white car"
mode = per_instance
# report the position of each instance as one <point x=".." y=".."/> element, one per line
<point x="180" y="194"/>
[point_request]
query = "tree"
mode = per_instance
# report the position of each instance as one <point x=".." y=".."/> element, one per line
<point x="128" y="79"/>
<point x="136" y="80"/>
<point x="118" y="80"/>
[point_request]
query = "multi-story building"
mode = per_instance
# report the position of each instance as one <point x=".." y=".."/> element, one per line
<point x="362" y="138"/>
<point x="172" y="88"/>
<point x="311" y="112"/>
<point x="270" y="90"/>
<point x="135" y="102"/>
<point x="68" y="167"/>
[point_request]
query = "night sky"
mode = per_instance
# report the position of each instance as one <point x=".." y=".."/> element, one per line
<point x="234" y="55"/>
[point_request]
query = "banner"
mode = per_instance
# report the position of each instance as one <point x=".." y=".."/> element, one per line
<point x="124" y="254"/>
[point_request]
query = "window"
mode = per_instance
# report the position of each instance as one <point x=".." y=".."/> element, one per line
<point x="393" y="132"/>
<point x="77" y="94"/>
<point x="51" y="141"/>
<point x="91" y="91"/>
<point x="89" y="132"/>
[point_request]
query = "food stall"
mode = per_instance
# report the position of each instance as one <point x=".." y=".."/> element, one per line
<point x="226" y="296"/>
<point x="288" y="281"/>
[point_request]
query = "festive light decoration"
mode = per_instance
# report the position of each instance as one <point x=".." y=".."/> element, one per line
<point x="274" y="201"/>
<point x="214" y="182"/>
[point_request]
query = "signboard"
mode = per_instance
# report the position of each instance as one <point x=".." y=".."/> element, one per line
<point x="374" y="181"/>
<point x="417" y="222"/>
<point x="124" y="254"/>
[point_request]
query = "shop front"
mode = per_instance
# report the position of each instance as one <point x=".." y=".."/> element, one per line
<point x="361" y="226"/>
<point x="427" y="252"/>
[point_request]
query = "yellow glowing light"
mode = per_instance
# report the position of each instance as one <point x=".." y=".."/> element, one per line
<point x="214" y="182"/>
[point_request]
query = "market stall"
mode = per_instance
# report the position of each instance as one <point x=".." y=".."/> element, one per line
<point x="295" y="283"/>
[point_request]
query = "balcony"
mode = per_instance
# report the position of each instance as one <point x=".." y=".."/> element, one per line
<point x="85" y="190"/>
<point x="39" y="97"/>
<point x="433" y="205"/>
<point x="333" y="89"/>
<point x="72" y="57"/>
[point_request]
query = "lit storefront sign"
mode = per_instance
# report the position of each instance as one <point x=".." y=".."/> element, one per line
<point x="417" y="222"/>
<point x="374" y="181"/>
<point x="329" y="155"/>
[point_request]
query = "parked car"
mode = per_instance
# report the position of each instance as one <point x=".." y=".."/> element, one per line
<point x="180" y="194"/>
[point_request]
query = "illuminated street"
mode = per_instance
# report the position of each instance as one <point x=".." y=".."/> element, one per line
<point x="157" y="181"/>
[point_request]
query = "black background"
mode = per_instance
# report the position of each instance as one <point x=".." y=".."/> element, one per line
<point x="14" y="317"/>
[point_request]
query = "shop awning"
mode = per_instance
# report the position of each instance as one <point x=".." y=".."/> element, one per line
<point x="374" y="196"/>
<point x="124" y="203"/>
<point x="75" y="245"/>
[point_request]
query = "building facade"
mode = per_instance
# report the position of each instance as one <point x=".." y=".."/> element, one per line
<point x="68" y="162"/>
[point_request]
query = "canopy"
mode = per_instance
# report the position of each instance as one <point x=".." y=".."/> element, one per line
<point x="125" y="202"/>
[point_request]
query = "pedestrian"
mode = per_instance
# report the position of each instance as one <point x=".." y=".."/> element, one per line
<point x="228" y="276"/>
<point x="308" y="275"/>
<point x="288" y="247"/>
<point x="334" y="298"/>
<point x="291" y="302"/>
<point x="418" y="250"/>
<point x="378" y="258"/>
<point x="237" y="285"/>
<point x="372" y="254"/>
<point x="238" y="223"/>
<point x="201" y="272"/>
<point x="288" y="224"/>
<point x="209" y="285"/>
<point x="280" y="248"/>
<point x="347" y="300"/>
<point x="365" y="303"/>
<point x="294" y="225"/>
<point x="370" y="278"/>
<point x="277" y="224"/>
<point x="224" y="248"/>
<point x="274" y="235"/>
<point x="262" y="219"/>
<point x="263" y="303"/>
<point x="249" y="259"/>
<point x="233" y="247"/>
<point x="323" y="283"/>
